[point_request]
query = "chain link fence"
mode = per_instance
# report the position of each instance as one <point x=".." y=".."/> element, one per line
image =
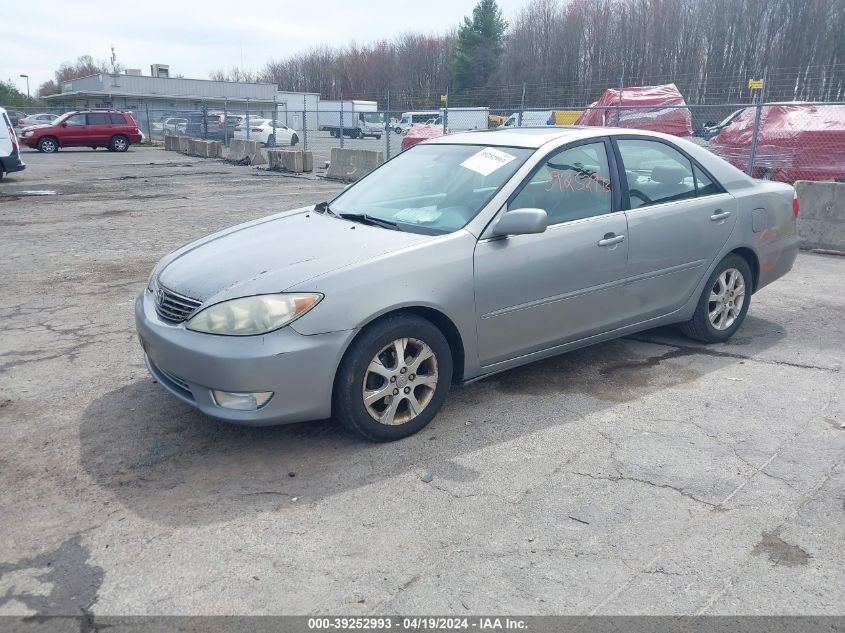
<point x="784" y="140"/>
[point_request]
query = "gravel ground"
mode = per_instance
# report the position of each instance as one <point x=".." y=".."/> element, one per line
<point x="649" y="475"/>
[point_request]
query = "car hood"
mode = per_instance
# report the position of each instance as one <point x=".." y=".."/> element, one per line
<point x="36" y="126"/>
<point x="275" y="253"/>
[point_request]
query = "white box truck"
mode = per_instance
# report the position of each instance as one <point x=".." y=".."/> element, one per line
<point x="360" y="118"/>
<point x="462" y="119"/>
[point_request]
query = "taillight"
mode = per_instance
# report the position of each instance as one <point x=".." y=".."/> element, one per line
<point x="256" y="129"/>
<point x="795" y="206"/>
<point x="14" y="138"/>
<point x="237" y="127"/>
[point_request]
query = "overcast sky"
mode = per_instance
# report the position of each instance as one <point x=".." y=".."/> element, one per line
<point x="197" y="37"/>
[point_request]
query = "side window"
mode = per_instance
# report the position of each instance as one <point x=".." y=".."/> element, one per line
<point x="703" y="185"/>
<point x="98" y="119"/>
<point x="76" y="119"/>
<point x="572" y="184"/>
<point x="656" y="173"/>
<point x="116" y="119"/>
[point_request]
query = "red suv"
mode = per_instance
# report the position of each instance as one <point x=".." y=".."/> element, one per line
<point x="85" y="128"/>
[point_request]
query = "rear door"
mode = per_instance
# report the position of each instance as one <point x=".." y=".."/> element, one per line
<point x="679" y="218"/>
<point x="99" y="128"/>
<point x="534" y="292"/>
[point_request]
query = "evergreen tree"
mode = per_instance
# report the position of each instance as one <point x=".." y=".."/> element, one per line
<point x="480" y="44"/>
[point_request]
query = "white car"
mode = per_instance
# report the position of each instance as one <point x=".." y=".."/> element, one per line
<point x="263" y="130"/>
<point x="37" y="119"/>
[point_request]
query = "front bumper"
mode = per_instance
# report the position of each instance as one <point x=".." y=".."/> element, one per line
<point x="298" y="369"/>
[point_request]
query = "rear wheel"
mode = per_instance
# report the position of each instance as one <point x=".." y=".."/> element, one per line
<point x="723" y="303"/>
<point x="119" y="143"/>
<point x="393" y="379"/>
<point x="48" y="145"/>
<point x="294" y="139"/>
<point x="271" y="140"/>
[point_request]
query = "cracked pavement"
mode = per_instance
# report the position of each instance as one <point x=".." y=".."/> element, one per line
<point x="649" y="475"/>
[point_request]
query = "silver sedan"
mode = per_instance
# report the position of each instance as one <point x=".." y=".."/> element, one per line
<point x="464" y="256"/>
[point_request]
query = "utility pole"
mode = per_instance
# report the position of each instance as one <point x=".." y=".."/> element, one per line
<point x="28" y="98"/>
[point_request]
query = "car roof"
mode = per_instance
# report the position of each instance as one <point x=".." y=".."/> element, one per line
<point x="530" y="137"/>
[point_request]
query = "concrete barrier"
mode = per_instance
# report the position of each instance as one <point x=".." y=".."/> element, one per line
<point x="255" y="152"/>
<point x="171" y="143"/>
<point x="236" y="150"/>
<point x="350" y="165"/>
<point x="821" y="223"/>
<point x="293" y="160"/>
<point x="182" y="144"/>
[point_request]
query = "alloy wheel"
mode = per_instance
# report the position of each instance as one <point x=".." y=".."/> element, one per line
<point x="400" y="381"/>
<point x="727" y="296"/>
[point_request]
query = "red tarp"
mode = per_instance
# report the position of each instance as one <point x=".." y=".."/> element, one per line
<point x="797" y="141"/>
<point x="660" y="118"/>
<point x="419" y="133"/>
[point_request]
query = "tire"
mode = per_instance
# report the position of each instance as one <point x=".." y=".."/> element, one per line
<point x="378" y="137"/>
<point x="398" y="130"/>
<point x="425" y="384"/>
<point x="727" y="319"/>
<point x="118" y="143"/>
<point x="294" y="139"/>
<point x="271" y="141"/>
<point x="48" y="145"/>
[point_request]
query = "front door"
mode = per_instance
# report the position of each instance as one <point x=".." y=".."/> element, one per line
<point x="678" y="220"/>
<point x="534" y="292"/>
<point x="73" y="130"/>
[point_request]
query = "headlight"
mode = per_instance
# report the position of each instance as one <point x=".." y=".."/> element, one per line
<point x="249" y="316"/>
<point x="152" y="282"/>
<point x="28" y="133"/>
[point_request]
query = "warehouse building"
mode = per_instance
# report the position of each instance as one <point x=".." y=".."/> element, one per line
<point x="150" y="98"/>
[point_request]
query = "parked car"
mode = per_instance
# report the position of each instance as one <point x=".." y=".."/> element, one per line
<point x="418" y="133"/>
<point x="657" y="108"/>
<point x="15" y="116"/>
<point x="464" y="256"/>
<point x="214" y="126"/>
<point x="37" y="119"/>
<point x="263" y="130"/>
<point x="85" y="128"/>
<point x="796" y="141"/>
<point x="169" y="125"/>
<point x="10" y="155"/>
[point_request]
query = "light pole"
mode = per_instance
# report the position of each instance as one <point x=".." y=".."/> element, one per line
<point x="28" y="99"/>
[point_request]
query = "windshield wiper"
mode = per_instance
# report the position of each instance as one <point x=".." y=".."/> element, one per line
<point x="363" y="218"/>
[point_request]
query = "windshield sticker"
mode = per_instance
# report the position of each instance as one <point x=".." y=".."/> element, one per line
<point x="487" y="161"/>
<point x="419" y="215"/>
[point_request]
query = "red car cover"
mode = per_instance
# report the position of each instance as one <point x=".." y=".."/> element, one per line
<point x="421" y="132"/>
<point x="797" y="141"/>
<point x="657" y="118"/>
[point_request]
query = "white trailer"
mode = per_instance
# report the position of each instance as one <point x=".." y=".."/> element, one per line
<point x="360" y="118"/>
<point x="462" y="119"/>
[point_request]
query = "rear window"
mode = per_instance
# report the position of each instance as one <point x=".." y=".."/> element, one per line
<point x="116" y="117"/>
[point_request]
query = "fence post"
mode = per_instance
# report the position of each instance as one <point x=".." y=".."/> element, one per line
<point x="387" y="129"/>
<point x="446" y="112"/>
<point x="149" y="124"/>
<point x="204" y="119"/>
<point x="757" y="116"/>
<point x="521" y="108"/>
<point x="225" y="118"/>
<point x="247" y="118"/>
<point x="274" y="120"/>
<point x="304" y="122"/>
<point x="619" y="103"/>
<point x="341" y="118"/>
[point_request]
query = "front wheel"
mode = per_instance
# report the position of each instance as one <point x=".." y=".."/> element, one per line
<point x="294" y="139"/>
<point x="48" y="145"/>
<point x="393" y="379"/>
<point x="723" y="303"/>
<point x="397" y="129"/>
<point x="271" y="140"/>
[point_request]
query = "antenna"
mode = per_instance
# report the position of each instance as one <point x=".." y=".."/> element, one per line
<point x="113" y="60"/>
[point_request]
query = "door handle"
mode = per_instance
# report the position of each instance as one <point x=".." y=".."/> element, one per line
<point x="611" y="240"/>
<point x="720" y="215"/>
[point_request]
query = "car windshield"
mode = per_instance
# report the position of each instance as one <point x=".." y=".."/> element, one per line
<point x="432" y="189"/>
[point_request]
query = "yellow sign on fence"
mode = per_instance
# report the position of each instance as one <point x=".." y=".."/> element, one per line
<point x="755" y="84"/>
<point x="442" y="98"/>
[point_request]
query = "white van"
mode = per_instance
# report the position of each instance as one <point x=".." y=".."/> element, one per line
<point x="412" y="118"/>
<point x="10" y="154"/>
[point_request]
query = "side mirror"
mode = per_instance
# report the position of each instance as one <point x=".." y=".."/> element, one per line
<point x="522" y="222"/>
<point x="64" y="124"/>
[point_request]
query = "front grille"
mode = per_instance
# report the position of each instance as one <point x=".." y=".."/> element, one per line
<point x="174" y="307"/>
